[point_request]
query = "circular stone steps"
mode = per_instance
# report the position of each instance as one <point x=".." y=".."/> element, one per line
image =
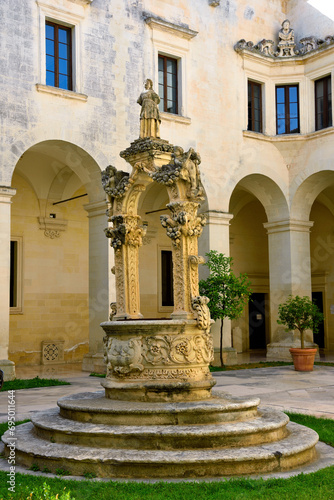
<point x="269" y="426"/>
<point x="295" y="449"/>
<point x="95" y="408"/>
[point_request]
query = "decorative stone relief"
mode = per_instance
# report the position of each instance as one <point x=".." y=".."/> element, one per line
<point x="146" y="146"/>
<point x="286" y="47"/>
<point x="117" y="232"/>
<point x="52" y="227"/>
<point x="123" y="356"/>
<point x="180" y="349"/>
<point x="115" y="182"/>
<point x="125" y="230"/>
<point x="183" y="221"/>
<point x="183" y="166"/>
<point x="113" y="310"/>
<point x="200" y="305"/>
<point x="266" y="47"/>
<point x="310" y="43"/>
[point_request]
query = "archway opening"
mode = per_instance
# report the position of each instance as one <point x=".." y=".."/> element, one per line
<point x="49" y="321"/>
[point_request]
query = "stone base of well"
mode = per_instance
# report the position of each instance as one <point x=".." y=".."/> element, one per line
<point x="222" y="436"/>
<point x="157" y="361"/>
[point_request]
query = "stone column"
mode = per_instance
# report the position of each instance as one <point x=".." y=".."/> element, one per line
<point x="289" y="274"/>
<point x="217" y="233"/>
<point x="6" y="366"/>
<point x="101" y="286"/>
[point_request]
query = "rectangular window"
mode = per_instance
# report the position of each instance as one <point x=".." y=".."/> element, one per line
<point x="323" y="103"/>
<point x="254" y="107"/>
<point x="168" y="86"/>
<point x="287" y="109"/>
<point x="167" y="295"/>
<point x="58" y="50"/>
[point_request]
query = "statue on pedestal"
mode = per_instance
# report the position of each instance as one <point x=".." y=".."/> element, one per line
<point x="286" y="44"/>
<point x="149" y="116"/>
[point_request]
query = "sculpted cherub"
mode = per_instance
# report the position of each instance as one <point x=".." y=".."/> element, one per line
<point x="114" y="181"/>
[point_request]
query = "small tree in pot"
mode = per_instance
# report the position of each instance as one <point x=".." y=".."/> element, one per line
<point x="300" y="313"/>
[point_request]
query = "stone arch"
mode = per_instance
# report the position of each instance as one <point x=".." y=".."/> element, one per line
<point x="63" y="158"/>
<point x="308" y="190"/>
<point x="267" y="191"/>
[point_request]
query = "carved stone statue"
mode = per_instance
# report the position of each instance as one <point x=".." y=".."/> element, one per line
<point x="149" y="115"/>
<point x="286" y="44"/>
<point x="115" y="182"/>
<point x="189" y="171"/>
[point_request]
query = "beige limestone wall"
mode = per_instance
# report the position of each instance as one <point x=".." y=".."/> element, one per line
<point x="55" y="279"/>
<point x="322" y="259"/>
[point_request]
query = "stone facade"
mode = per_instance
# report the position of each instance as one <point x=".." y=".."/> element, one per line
<point x="262" y="190"/>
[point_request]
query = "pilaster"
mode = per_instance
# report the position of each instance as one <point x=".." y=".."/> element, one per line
<point x="6" y="194"/>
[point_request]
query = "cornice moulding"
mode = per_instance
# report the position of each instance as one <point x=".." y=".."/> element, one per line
<point x="174" y="29"/>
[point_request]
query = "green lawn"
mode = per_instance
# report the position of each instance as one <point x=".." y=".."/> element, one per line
<point x="315" y="486"/>
<point x="14" y="385"/>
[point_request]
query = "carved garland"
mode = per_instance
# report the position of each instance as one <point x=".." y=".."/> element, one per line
<point x="125" y="356"/>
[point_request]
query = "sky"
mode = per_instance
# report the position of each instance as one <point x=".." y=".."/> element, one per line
<point x="325" y="6"/>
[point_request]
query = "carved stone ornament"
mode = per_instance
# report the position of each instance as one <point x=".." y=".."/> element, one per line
<point x="200" y="305"/>
<point x="148" y="145"/>
<point x="51" y="233"/>
<point x="286" y="47"/>
<point x="183" y="221"/>
<point x="310" y="43"/>
<point x="113" y="310"/>
<point x="134" y="354"/>
<point x="125" y="230"/>
<point x="183" y="166"/>
<point x="266" y="47"/>
<point x="115" y="182"/>
<point x="123" y="356"/>
<point x="117" y="232"/>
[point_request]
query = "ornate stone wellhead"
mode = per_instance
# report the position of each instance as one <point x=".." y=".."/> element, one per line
<point x="142" y="355"/>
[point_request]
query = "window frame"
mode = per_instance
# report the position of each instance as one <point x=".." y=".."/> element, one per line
<point x="253" y="84"/>
<point x="71" y="17"/>
<point x="56" y="26"/>
<point x="287" y="108"/>
<point x="18" y="307"/>
<point x="166" y="58"/>
<point x="327" y="113"/>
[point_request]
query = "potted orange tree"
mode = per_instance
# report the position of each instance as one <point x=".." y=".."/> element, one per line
<point x="300" y="313"/>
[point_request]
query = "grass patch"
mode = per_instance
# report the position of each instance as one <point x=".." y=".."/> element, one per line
<point x="30" y="383"/>
<point x="315" y="486"/>
<point x="323" y="426"/>
<point x="101" y="375"/>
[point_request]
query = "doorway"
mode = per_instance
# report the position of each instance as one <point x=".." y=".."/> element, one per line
<point x="257" y="321"/>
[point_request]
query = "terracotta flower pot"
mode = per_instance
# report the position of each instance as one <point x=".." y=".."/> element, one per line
<point x="303" y="359"/>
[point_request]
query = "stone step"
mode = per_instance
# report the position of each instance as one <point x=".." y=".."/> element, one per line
<point x="269" y="426"/>
<point x="95" y="408"/>
<point x="294" y="450"/>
